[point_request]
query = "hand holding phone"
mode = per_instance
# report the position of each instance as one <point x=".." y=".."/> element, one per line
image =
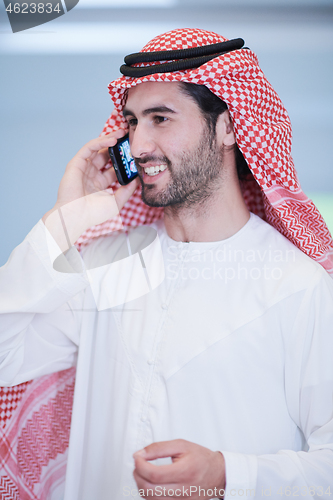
<point x="84" y="199"/>
<point x="123" y="162"/>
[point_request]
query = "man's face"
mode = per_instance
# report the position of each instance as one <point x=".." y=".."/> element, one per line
<point x="178" y="160"/>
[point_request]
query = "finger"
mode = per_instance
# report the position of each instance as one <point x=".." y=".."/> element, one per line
<point x="103" y="180"/>
<point x="163" y="449"/>
<point x="109" y="176"/>
<point x="158" y="474"/>
<point x="101" y="159"/>
<point x="123" y="194"/>
<point x="102" y="142"/>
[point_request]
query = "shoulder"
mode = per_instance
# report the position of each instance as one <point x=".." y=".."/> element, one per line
<point x="281" y="250"/>
<point x="283" y="270"/>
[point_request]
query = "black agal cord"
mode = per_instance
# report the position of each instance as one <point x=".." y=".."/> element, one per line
<point x="186" y="58"/>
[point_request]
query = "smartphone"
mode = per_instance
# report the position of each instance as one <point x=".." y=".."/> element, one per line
<point x="123" y="161"/>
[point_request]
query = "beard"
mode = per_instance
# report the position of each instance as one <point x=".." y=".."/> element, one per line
<point x="193" y="178"/>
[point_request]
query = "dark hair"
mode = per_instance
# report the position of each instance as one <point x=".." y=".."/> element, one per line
<point x="212" y="107"/>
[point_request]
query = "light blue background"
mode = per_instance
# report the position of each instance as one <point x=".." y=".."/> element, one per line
<point x="54" y="95"/>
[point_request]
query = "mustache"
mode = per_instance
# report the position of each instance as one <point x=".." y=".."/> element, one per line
<point x="151" y="158"/>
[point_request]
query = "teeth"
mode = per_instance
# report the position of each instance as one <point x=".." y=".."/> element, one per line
<point x="155" y="170"/>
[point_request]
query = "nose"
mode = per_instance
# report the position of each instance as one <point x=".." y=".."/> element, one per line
<point x="141" y="142"/>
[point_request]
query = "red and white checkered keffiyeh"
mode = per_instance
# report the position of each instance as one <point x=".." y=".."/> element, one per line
<point x="35" y="416"/>
<point x="35" y="420"/>
<point x="263" y="133"/>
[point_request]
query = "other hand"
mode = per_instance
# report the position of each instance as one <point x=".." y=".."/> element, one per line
<point x="193" y="467"/>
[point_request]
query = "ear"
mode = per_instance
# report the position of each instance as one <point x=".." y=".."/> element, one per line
<point x="225" y="130"/>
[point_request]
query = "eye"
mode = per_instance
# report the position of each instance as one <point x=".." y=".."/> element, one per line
<point x="132" y="122"/>
<point x="160" y="119"/>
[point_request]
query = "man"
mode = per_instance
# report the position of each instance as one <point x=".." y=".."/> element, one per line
<point x="225" y="366"/>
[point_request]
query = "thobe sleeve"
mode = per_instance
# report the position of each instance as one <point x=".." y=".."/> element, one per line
<point x="309" y="395"/>
<point x="39" y="309"/>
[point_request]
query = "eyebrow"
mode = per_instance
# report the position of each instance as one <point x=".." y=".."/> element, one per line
<point x="148" y="111"/>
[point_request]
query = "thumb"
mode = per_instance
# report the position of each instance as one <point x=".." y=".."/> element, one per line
<point x="123" y="194"/>
<point x="163" y="449"/>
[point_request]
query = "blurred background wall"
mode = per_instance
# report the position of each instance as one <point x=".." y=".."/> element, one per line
<point x="54" y="81"/>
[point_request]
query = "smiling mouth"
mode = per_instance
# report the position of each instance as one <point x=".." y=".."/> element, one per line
<point x="156" y="169"/>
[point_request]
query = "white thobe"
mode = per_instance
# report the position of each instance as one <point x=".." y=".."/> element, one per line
<point x="233" y="351"/>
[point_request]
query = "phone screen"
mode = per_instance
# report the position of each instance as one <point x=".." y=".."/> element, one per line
<point x="123" y="161"/>
<point x="127" y="159"/>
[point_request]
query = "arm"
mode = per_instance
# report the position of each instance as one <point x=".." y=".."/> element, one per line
<point x="309" y="396"/>
<point x="38" y="325"/>
<point x="39" y="306"/>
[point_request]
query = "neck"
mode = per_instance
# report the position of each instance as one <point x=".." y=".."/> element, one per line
<point x="218" y="217"/>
